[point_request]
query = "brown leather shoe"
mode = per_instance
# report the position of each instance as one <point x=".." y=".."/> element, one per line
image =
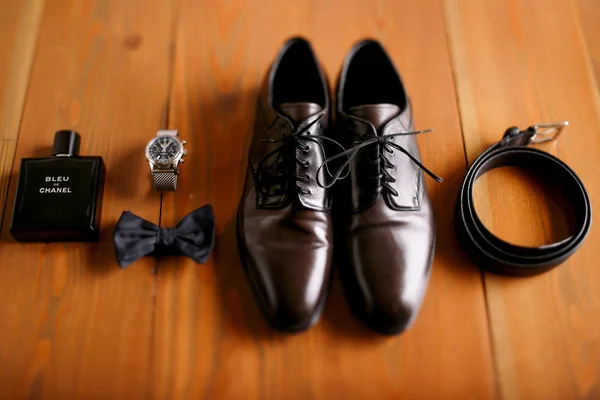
<point x="284" y="224"/>
<point x="383" y="213"/>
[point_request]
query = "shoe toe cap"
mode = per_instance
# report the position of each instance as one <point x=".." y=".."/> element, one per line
<point x="292" y="288"/>
<point x="392" y="273"/>
<point x="393" y="316"/>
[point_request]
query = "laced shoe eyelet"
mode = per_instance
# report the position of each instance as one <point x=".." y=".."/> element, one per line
<point x="288" y="153"/>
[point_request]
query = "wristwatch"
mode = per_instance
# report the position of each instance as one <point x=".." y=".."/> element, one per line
<point x="164" y="153"/>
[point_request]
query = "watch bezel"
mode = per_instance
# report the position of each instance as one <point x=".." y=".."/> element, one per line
<point x="175" y="160"/>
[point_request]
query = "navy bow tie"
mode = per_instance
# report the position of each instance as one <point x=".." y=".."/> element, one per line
<point x="194" y="237"/>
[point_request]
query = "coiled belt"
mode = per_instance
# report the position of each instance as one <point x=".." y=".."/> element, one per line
<point x="493" y="253"/>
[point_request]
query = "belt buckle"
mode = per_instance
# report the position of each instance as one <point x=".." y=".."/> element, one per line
<point x="547" y="132"/>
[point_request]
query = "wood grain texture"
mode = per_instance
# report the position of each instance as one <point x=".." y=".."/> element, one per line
<point x="211" y="340"/>
<point x="72" y="325"/>
<point x="512" y="68"/>
<point x="19" y="23"/>
<point x="587" y="14"/>
<point x="521" y="191"/>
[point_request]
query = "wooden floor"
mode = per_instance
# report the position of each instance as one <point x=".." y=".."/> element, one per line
<point x="75" y="326"/>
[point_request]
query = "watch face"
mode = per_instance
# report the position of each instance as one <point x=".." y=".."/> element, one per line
<point x="164" y="149"/>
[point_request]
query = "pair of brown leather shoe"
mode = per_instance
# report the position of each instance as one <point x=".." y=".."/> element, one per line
<point x="381" y="215"/>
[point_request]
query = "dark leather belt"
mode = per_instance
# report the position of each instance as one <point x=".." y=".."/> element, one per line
<point x="493" y="253"/>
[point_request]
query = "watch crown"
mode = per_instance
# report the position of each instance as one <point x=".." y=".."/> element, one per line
<point x="185" y="152"/>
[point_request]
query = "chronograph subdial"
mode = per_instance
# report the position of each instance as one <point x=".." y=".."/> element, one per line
<point x="164" y="150"/>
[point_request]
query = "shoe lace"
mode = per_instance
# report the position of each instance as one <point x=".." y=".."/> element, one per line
<point x="281" y="163"/>
<point x="386" y="145"/>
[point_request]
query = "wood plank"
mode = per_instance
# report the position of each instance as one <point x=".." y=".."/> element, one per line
<point x="19" y="23"/>
<point x="72" y="324"/>
<point x="211" y="340"/>
<point x="518" y="63"/>
<point x="587" y="13"/>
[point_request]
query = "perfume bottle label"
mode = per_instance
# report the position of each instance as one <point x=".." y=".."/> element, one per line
<point x="56" y="184"/>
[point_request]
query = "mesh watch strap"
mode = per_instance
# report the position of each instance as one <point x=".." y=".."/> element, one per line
<point x="168" y="132"/>
<point x="165" y="181"/>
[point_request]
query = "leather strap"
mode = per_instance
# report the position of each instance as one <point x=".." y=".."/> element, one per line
<point x="493" y="253"/>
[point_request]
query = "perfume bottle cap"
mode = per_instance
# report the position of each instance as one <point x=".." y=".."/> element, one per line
<point x="66" y="144"/>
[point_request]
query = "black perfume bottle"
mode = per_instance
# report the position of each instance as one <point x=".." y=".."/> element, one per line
<point x="59" y="198"/>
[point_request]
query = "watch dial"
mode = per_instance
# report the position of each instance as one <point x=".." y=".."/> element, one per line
<point x="164" y="150"/>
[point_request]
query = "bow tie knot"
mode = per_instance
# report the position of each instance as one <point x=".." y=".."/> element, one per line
<point x="166" y="236"/>
<point x="194" y="236"/>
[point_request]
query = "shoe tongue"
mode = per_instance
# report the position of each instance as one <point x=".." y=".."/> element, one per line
<point x="299" y="111"/>
<point x="377" y="114"/>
